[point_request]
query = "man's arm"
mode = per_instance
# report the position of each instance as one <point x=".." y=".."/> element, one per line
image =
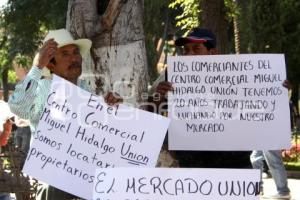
<point x="21" y="102"/>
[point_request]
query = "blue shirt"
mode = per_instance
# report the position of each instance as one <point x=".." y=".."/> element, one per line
<point x="30" y="95"/>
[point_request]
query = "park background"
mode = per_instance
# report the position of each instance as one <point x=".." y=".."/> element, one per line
<point x="241" y="26"/>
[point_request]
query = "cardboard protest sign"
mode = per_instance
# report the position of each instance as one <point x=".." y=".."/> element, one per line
<point x="228" y="102"/>
<point x="78" y="132"/>
<point x="176" y="184"/>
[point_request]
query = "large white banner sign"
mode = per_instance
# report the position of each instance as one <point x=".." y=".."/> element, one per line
<point x="176" y="184"/>
<point x="228" y="102"/>
<point x="78" y="133"/>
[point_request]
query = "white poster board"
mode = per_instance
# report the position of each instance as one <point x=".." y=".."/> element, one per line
<point x="177" y="184"/>
<point x="78" y="133"/>
<point x="228" y="102"/>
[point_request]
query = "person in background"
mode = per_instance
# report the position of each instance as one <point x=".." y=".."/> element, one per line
<point x="275" y="164"/>
<point x="5" y="132"/>
<point x="201" y="41"/>
<point x="22" y="136"/>
<point x="277" y="169"/>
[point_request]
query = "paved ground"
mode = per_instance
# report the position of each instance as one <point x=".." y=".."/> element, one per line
<point x="294" y="185"/>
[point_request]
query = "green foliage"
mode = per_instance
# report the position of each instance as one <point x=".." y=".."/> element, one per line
<point x="23" y="24"/>
<point x="290" y="15"/>
<point x="3" y="50"/>
<point x="12" y="77"/>
<point x="273" y="26"/>
<point x="22" y="60"/>
<point x="159" y="23"/>
<point x="26" y="20"/>
<point x="265" y="26"/>
<point x="190" y="13"/>
<point x="292" y="166"/>
<point x="154" y="27"/>
<point x="232" y="9"/>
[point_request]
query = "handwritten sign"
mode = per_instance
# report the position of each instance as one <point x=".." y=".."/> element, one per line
<point x="176" y="184"/>
<point x="228" y="102"/>
<point x="78" y="133"/>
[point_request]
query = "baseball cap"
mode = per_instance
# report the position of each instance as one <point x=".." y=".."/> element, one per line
<point x="198" y="35"/>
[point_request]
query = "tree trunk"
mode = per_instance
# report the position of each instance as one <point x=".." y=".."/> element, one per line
<point x="242" y="20"/>
<point x="5" y="83"/>
<point x="118" y="56"/>
<point x="213" y="17"/>
<point x="236" y="30"/>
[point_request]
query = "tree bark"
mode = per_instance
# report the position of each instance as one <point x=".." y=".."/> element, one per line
<point x="118" y="56"/>
<point x="213" y="17"/>
<point x="5" y="83"/>
<point x="242" y="20"/>
<point x="236" y="30"/>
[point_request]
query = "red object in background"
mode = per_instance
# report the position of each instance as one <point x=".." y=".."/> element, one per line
<point x="295" y="149"/>
<point x="7" y="126"/>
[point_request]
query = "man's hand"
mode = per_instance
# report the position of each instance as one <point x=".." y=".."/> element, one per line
<point x="287" y="84"/>
<point x="46" y="53"/>
<point x="113" y="99"/>
<point x="161" y="91"/>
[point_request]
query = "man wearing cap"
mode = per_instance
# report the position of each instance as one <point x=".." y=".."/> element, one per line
<point x="201" y="41"/>
<point x="62" y="55"/>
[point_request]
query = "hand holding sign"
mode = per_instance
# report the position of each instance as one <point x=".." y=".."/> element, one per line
<point x="228" y="102"/>
<point x="176" y="184"/>
<point x="78" y="132"/>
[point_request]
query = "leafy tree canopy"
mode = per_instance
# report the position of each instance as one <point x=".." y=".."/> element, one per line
<point x="274" y="27"/>
<point x="22" y="25"/>
<point x="190" y="16"/>
<point x="25" y="21"/>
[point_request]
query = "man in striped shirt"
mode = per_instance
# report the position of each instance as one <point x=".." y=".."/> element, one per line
<point x="62" y="55"/>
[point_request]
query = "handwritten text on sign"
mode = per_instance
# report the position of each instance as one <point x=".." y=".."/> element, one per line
<point x="228" y="102"/>
<point x="176" y="184"/>
<point x="78" y="133"/>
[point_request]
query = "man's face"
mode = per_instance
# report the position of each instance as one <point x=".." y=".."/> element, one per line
<point x="197" y="49"/>
<point x="68" y="62"/>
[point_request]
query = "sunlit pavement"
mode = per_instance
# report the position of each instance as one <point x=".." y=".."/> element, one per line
<point x="294" y="185"/>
